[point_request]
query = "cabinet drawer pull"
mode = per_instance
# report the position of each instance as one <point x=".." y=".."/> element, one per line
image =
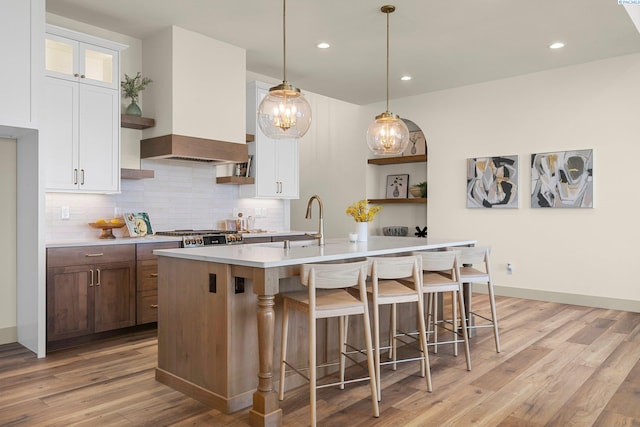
<point x="98" y="281"/>
<point x="154" y="306"/>
<point x="91" y="282"/>
<point x="94" y="255"/>
<point x="153" y="275"/>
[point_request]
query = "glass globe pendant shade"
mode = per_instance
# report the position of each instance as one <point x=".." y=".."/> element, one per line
<point x="284" y="113"/>
<point x="388" y="135"/>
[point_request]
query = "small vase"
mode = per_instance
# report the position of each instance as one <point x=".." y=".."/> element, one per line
<point x="362" y="229"/>
<point x="133" y="109"/>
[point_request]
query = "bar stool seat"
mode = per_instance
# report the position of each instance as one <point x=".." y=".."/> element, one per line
<point x="386" y="288"/>
<point x="327" y="297"/>
<point x="441" y="274"/>
<point x="476" y="268"/>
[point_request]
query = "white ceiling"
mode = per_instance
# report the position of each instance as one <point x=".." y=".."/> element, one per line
<point x="441" y="44"/>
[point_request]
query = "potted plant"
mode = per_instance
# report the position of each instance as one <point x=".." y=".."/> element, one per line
<point x="131" y="88"/>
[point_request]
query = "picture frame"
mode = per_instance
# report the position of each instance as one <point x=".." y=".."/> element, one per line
<point x="492" y="182"/>
<point x="138" y="224"/>
<point x="562" y="179"/>
<point x="397" y="186"/>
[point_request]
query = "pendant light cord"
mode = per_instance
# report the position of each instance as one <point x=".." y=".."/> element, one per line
<point x="387" y="61"/>
<point x="284" y="40"/>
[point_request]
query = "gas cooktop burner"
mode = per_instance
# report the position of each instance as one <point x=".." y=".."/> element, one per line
<point x="192" y="232"/>
<point x="196" y="238"/>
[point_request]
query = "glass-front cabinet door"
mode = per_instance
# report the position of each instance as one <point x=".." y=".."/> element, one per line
<point x="82" y="62"/>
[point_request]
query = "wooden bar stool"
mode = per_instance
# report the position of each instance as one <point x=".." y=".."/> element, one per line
<point x="327" y="297"/>
<point x="387" y="289"/>
<point x="441" y="274"/>
<point x="476" y="268"/>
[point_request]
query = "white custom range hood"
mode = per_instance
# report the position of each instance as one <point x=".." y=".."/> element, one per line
<point x="197" y="98"/>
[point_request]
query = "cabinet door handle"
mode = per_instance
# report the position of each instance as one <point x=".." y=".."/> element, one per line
<point x="82" y="76"/>
<point x="98" y="281"/>
<point x="75" y="177"/>
<point x="94" y="255"/>
<point x="81" y="176"/>
<point x="153" y="275"/>
<point x="76" y="75"/>
<point x="91" y="282"/>
<point x="154" y="306"/>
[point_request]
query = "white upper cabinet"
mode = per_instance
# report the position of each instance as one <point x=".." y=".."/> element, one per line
<point x="21" y="31"/>
<point x="83" y="62"/>
<point x="275" y="163"/>
<point x="80" y="129"/>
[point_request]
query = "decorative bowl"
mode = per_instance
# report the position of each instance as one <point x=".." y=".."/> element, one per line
<point x="395" y="230"/>
<point x="107" y="227"/>
<point x="415" y="191"/>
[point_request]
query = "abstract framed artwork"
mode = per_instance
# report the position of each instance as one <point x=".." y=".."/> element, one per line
<point x="492" y="182"/>
<point x="562" y="179"/>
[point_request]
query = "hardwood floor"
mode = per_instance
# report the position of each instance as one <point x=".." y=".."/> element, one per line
<point x="561" y="365"/>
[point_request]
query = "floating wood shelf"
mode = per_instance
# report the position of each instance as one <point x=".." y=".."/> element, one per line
<point x="397" y="160"/>
<point x="135" y="122"/>
<point x="250" y="138"/>
<point x="136" y="173"/>
<point x="238" y="180"/>
<point x="417" y="200"/>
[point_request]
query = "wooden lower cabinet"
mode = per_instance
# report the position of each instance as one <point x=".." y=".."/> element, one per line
<point x="90" y="289"/>
<point x="147" y="280"/>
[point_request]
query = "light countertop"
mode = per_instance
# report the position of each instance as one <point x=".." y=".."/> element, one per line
<point x="61" y="243"/>
<point x="116" y="241"/>
<point x="266" y="255"/>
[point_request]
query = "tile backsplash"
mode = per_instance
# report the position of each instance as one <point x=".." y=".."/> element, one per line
<point x="182" y="195"/>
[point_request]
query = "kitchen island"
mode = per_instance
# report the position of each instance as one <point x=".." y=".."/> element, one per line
<point x="209" y="344"/>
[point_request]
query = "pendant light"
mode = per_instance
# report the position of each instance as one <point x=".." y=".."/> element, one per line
<point x="388" y="135"/>
<point x="284" y="112"/>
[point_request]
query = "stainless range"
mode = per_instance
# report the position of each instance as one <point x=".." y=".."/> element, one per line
<point x="197" y="238"/>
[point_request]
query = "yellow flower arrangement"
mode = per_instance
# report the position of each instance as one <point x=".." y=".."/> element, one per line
<point x="361" y="212"/>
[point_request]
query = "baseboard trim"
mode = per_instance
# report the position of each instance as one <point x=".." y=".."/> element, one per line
<point x="8" y="335"/>
<point x="563" y="298"/>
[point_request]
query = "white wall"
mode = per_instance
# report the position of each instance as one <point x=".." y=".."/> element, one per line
<point x="583" y="255"/>
<point x="8" y="212"/>
<point x="332" y="165"/>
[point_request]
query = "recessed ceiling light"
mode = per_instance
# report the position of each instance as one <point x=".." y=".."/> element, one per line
<point x="405" y="78"/>
<point x="556" y="45"/>
<point x="323" y="45"/>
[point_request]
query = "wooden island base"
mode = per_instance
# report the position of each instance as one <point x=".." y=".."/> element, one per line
<point x="217" y="317"/>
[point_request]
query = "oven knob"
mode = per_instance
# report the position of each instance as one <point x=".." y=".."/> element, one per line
<point x="199" y="241"/>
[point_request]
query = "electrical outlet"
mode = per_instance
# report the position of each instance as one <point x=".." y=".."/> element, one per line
<point x="509" y="268"/>
<point x="260" y="212"/>
<point x="64" y="212"/>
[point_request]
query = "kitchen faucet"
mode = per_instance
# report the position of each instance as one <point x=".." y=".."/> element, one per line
<point x="320" y="234"/>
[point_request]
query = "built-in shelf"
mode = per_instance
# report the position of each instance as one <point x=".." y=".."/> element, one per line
<point x="238" y="180"/>
<point x="397" y="160"/>
<point x="136" y="122"/>
<point x="417" y="200"/>
<point x="136" y="173"/>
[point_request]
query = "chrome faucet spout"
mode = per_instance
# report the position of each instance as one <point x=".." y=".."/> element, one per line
<point x="320" y="234"/>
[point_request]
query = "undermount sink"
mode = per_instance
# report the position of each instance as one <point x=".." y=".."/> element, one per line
<point x="292" y="244"/>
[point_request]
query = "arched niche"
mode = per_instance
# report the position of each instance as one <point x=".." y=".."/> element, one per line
<point x="417" y="141"/>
